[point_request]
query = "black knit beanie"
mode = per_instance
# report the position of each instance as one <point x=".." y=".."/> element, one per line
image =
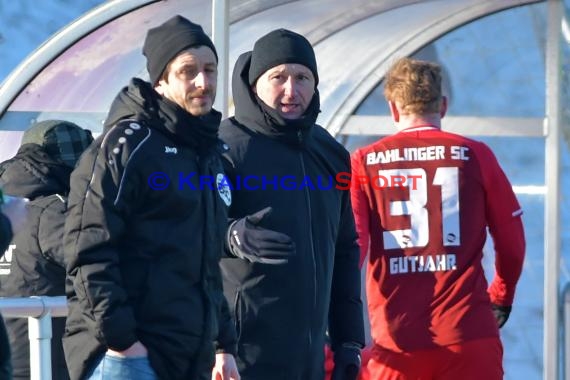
<point x="278" y="47"/>
<point x="164" y="42"/>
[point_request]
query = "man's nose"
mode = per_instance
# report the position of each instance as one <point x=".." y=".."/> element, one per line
<point x="289" y="87"/>
<point x="201" y="80"/>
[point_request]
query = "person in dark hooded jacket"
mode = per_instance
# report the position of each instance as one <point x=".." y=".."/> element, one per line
<point x="34" y="263"/>
<point x="5" y="227"/>
<point x="146" y="221"/>
<point x="5" y="354"/>
<point x="292" y="266"/>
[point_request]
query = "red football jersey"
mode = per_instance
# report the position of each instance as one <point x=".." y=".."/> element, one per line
<point x="423" y="200"/>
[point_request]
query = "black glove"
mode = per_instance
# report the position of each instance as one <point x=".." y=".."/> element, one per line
<point x="256" y="244"/>
<point x="346" y="362"/>
<point x="501" y="313"/>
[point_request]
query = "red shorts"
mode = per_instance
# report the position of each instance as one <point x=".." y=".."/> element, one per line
<point x="472" y="360"/>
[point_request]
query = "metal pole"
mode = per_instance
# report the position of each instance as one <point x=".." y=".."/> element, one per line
<point x="39" y="331"/>
<point x="552" y="200"/>
<point x="39" y="311"/>
<point x="566" y="352"/>
<point x="220" y="37"/>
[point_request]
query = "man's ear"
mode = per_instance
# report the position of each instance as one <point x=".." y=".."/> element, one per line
<point x="394" y="111"/>
<point x="443" y="109"/>
<point x="159" y="87"/>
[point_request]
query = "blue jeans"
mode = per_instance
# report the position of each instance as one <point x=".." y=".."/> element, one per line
<point x="117" y="368"/>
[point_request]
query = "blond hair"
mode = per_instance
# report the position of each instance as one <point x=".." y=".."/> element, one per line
<point x="415" y="85"/>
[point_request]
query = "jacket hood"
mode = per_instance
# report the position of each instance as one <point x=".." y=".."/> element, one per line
<point x="251" y="112"/>
<point x="141" y="102"/>
<point x="32" y="173"/>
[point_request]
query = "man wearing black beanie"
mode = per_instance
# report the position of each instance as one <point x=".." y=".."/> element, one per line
<point x="143" y="236"/>
<point x="37" y="178"/>
<point x="288" y="281"/>
<point x="5" y="354"/>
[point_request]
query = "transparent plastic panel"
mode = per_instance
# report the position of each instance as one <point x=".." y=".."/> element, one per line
<point x="494" y="66"/>
<point x="80" y="84"/>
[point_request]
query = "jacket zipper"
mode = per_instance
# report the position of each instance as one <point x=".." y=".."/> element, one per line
<point x="237" y="313"/>
<point x="308" y="197"/>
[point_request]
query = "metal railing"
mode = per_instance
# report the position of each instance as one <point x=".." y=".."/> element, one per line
<point x="39" y="311"/>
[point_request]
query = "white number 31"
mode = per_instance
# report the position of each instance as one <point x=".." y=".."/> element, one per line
<point x="415" y="207"/>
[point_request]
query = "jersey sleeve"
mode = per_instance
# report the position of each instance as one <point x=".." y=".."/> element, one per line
<point x="360" y="206"/>
<point x="505" y="226"/>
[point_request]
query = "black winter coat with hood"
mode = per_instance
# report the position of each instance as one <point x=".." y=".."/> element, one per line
<point x="5" y="359"/>
<point x="34" y="262"/>
<point x="282" y="311"/>
<point x="144" y="236"/>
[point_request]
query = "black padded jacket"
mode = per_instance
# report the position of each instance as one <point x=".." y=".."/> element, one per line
<point x="282" y="311"/>
<point x="144" y="236"/>
<point x="34" y="262"/>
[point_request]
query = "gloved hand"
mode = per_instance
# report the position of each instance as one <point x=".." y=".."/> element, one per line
<point x="501" y="313"/>
<point x="256" y="244"/>
<point x="346" y="362"/>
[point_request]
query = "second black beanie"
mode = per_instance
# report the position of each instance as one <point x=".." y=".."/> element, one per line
<point x="278" y="47"/>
